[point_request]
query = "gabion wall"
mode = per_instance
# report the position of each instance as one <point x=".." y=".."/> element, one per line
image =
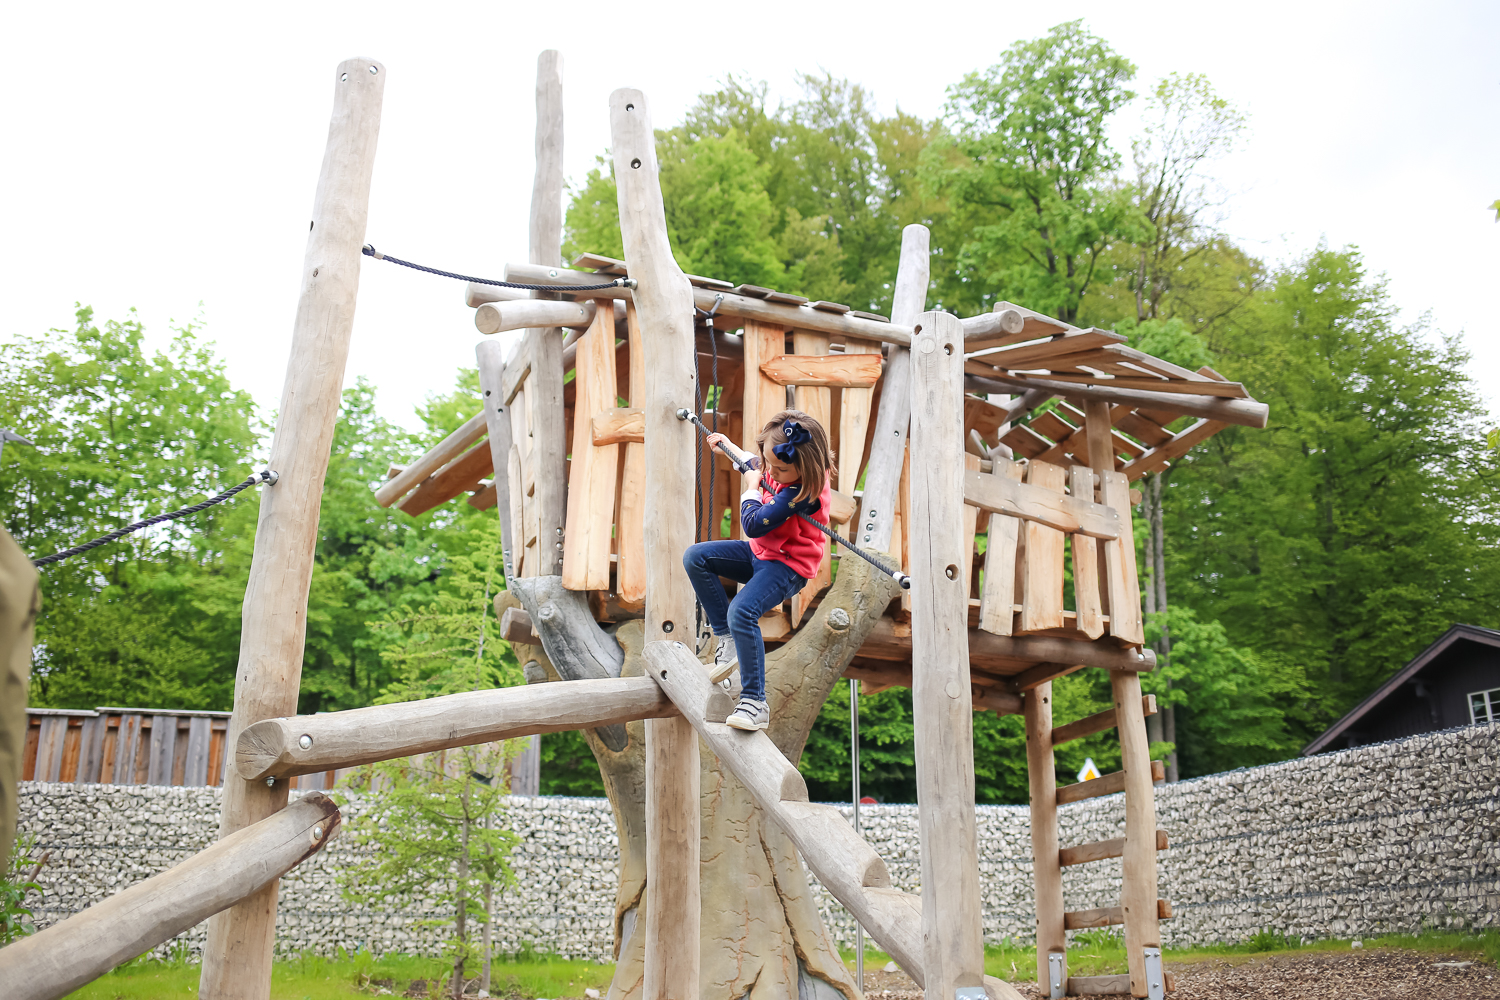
<point x="1379" y="839"/>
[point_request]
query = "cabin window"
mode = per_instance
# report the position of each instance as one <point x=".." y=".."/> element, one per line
<point x="1484" y="706"/>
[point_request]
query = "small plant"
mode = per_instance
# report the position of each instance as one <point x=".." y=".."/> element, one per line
<point x="1271" y="941"/>
<point x="19" y="881"/>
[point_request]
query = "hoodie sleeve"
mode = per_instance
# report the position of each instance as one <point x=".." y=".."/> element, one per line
<point x="757" y="519"/>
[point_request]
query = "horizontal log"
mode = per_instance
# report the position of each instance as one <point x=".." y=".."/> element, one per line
<point x="995" y="700"/>
<point x="1242" y="412"/>
<point x="619" y="425"/>
<point x="1007" y="654"/>
<point x="1029" y="502"/>
<point x="446" y="451"/>
<point x="836" y="371"/>
<point x="458" y="476"/>
<point x="501" y="317"/>
<point x="1091" y="986"/>
<point x="1108" y="784"/>
<point x="1096" y="723"/>
<point x="1226" y="390"/>
<point x="991" y="326"/>
<point x="1101" y="850"/>
<point x="305" y="744"/>
<point x="989" y="332"/>
<point x="476" y="295"/>
<point x="485" y="498"/>
<point x="802" y="317"/>
<point x="1106" y="916"/>
<point x="515" y="627"/>
<point x="56" y="961"/>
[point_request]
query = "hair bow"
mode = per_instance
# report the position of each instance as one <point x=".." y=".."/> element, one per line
<point x="795" y="434"/>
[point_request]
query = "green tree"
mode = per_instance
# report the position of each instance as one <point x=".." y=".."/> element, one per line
<point x="1028" y="173"/>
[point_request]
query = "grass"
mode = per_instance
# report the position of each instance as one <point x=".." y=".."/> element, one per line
<point x="1092" y="953"/>
<point x="312" y="977"/>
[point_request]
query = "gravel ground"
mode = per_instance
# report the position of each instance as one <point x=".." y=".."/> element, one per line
<point x="1386" y="974"/>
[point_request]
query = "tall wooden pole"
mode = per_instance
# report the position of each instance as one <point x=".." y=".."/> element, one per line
<point x="1051" y="938"/>
<point x="888" y="443"/>
<point x="237" y="958"/>
<point x="664" y="302"/>
<point x="942" y="709"/>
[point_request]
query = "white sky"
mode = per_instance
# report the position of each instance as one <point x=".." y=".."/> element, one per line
<point x="162" y="156"/>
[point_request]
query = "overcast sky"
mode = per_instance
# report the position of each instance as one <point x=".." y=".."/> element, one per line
<point x="163" y="157"/>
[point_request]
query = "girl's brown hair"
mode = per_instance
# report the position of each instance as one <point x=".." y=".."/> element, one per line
<point x="814" y="462"/>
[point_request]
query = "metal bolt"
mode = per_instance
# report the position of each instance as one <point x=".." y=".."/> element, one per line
<point x="305" y="742"/>
<point x="317" y="833"/>
<point x="270" y="782"/>
<point x="559" y="532"/>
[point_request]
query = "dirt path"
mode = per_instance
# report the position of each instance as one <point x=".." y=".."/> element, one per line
<point x="1386" y="974"/>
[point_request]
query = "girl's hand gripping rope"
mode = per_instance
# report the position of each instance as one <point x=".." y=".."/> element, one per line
<point x="739" y="459"/>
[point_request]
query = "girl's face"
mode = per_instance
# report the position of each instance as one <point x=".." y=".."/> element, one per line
<point x="778" y="470"/>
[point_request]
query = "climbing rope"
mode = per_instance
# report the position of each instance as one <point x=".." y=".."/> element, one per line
<point x="370" y="251"/>
<point x="701" y="316"/>
<point x="268" y="477"/>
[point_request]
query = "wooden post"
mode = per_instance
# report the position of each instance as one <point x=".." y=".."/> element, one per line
<point x="1045" y="865"/>
<point x="942" y="710"/>
<point x="63" y="957"/>
<point x="544" y="391"/>
<point x="888" y="449"/>
<point x="490" y="356"/>
<point x="664" y="301"/>
<point x="237" y="957"/>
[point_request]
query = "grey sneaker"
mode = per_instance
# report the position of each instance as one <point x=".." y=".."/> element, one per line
<point x="724" y="660"/>
<point x="750" y="715"/>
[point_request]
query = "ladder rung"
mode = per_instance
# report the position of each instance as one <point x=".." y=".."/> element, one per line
<point x="1084" y="986"/>
<point x="1106" y="785"/>
<point x="1099" y="850"/>
<point x="1097" y="723"/>
<point x="1108" y="916"/>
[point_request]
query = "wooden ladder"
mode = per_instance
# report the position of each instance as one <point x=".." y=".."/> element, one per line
<point x="1140" y="910"/>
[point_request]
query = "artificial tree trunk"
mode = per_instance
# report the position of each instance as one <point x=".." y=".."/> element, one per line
<point x="762" y="935"/>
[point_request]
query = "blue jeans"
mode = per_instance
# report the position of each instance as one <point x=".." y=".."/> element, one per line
<point x="766" y="584"/>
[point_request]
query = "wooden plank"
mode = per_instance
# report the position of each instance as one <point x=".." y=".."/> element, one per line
<point x="943" y="716"/>
<point x="458" y="476"/>
<point x="998" y="591"/>
<point x="195" y="766"/>
<point x="591" y="491"/>
<point x="630" y="571"/>
<point x="502" y="317"/>
<point x="763" y="397"/>
<point x="517" y="552"/>
<point x="888" y="443"/>
<point x="619" y="425"/>
<point x="813" y="399"/>
<point x="1024" y="441"/>
<point x="1122" y="585"/>
<point x="490" y="359"/>
<point x="58" y="959"/>
<point x="854" y="418"/>
<point x="1041" y="505"/>
<point x="1225" y="390"/>
<point x="1106" y="916"/>
<point x="1138" y="864"/>
<point x="1177" y="446"/>
<point x="1242" y="412"/>
<point x="985" y="417"/>
<point x="1096" y="723"/>
<point x="970" y="529"/>
<point x="671" y="914"/>
<point x="836" y="371"/>
<point x="1107" y="784"/>
<point x="127" y="748"/>
<point x="1046" y="873"/>
<point x="1101" y="850"/>
<point x="163" y="744"/>
<point x="1037" y="355"/>
<point x="436" y="457"/>
<point x="91" y="750"/>
<point x="51" y="738"/>
<point x="1085" y="986"/>
<point x="237" y="956"/>
<point x="1087" y="599"/>
<point x="273" y="748"/>
<point x="1042" y="589"/>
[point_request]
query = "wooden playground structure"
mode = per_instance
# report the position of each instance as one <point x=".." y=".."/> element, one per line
<point x="1017" y="536"/>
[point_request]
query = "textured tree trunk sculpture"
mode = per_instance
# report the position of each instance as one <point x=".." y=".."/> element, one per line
<point x="762" y="934"/>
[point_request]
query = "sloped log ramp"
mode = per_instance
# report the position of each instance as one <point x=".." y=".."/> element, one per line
<point x="65" y="956"/>
<point x="843" y="862"/>
<point x="275" y="747"/>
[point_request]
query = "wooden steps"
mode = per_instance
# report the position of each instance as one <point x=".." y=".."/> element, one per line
<point x="1108" y="916"/>
<point x="1099" y="850"/>
<point x="1107" y="784"/>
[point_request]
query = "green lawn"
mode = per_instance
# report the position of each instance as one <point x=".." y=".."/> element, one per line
<point x="527" y="976"/>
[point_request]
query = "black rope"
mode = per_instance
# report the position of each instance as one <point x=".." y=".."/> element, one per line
<point x="699" y="316"/>
<point x="259" y="477"/>
<point x="370" y="251"/>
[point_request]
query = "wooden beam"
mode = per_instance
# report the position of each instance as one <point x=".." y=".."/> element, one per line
<point x="242" y="865"/>
<point x="1243" y="412"/>
<point x="307" y="744"/>
<point x="1108" y="784"/>
<point x="1101" y="850"/>
<point x="1001" y="653"/>
<point x="837" y="371"/>
<point x="671" y="915"/>
<point x="1088" y="986"/>
<point x="1097" y="723"/>
<point x="1179" y="444"/>
<point x="458" y="476"/>
<point x="1050" y="508"/>
<point x="888" y="446"/>
<point x="942" y="710"/>
<point x="477" y="294"/>
<point x="490" y="356"/>
<point x="502" y="317"/>
<point x="1046" y="874"/>
<point x="237" y="956"/>
<point x="439" y="455"/>
<point x="1106" y="916"/>
<point x="1138" y="866"/>
<point x="619" y="425"/>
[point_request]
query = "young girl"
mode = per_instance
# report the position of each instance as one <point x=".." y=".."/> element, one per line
<point x="780" y="554"/>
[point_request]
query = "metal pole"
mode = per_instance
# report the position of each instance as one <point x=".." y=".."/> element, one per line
<point x="859" y="932"/>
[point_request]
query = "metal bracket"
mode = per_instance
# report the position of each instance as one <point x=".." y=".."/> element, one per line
<point x="970" y="993"/>
<point x="1156" y="982"/>
<point x="1057" y="974"/>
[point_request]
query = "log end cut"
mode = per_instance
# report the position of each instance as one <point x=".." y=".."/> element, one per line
<point x="260" y="749"/>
